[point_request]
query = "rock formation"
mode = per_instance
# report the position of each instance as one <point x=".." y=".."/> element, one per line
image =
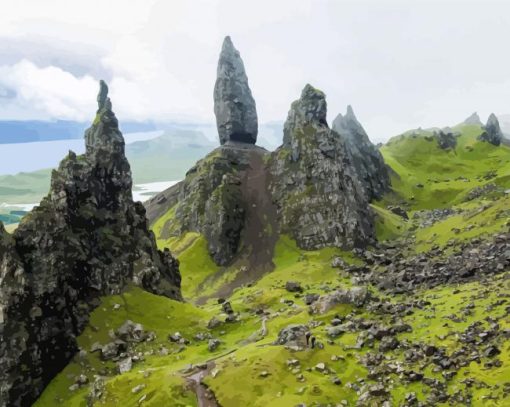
<point x="315" y="186"/>
<point x="491" y="131"/>
<point x="474" y="119"/>
<point x="234" y="106"/>
<point x="446" y="139"/>
<point x="240" y="197"/>
<point x="368" y="161"/>
<point x="87" y="238"/>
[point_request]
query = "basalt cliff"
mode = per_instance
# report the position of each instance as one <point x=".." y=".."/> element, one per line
<point x="86" y="239"/>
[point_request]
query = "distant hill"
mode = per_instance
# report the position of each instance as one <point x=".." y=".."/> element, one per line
<point x="164" y="158"/>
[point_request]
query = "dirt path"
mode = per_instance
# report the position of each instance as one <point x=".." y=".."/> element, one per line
<point x="205" y="397"/>
<point x="260" y="232"/>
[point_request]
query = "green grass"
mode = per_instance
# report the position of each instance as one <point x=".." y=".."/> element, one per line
<point x="244" y="353"/>
<point x="418" y="160"/>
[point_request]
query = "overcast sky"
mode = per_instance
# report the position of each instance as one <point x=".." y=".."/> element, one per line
<point x="400" y="64"/>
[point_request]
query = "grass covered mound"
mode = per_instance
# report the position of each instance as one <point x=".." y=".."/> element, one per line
<point x="447" y="345"/>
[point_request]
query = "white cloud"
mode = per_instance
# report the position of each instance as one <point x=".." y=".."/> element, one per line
<point x="49" y="90"/>
<point x="399" y="64"/>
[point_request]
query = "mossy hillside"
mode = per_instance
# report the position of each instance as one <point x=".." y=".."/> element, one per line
<point x="481" y="218"/>
<point x="388" y="226"/>
<point x="446" y="175"/>
<point x="247" y="353"/>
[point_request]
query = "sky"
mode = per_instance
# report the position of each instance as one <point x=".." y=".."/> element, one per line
<point x="400" y="64"/>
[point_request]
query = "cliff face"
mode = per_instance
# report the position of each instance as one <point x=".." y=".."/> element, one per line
<point x="366" y="158"/>
<point x="315" y="187"/>
<point x="319" y="196"/>
<point x="87" y="238"/>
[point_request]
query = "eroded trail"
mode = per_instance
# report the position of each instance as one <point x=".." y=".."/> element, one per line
<point x="205" y="397"/>
<point x="261" y="228"/>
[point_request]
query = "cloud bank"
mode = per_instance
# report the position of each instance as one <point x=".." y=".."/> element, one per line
<point x="400" y="64"/>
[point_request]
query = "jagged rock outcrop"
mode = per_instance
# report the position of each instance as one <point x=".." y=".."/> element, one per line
<point x="234" y="106"/>
<point x="491" y="131"/>
<point x="319" y="197"/>
<point x="474" y="119"/>
<point x="366" y="158"/>
<point x="446" y="139"/>
<point x="87" y="238"/>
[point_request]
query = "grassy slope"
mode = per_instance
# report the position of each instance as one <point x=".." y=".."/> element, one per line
<point x="246" y="353"/>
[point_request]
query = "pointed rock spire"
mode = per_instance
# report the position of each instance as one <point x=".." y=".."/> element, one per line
<point x="310" y="108"/>
<point x="365" y="157"/>
<point x="234" y="106"/>
<point x="474" y="119"/>
<point x="492" y="132"/>
<point x="86" y="239"/>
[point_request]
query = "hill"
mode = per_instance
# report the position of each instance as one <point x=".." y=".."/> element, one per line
<point x="298" y="294"/>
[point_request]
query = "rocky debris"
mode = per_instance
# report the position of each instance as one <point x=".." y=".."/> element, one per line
<point x="293" y="287"/>
<point x="213" y="323"/>
<point x="473" y="259"/>
<point x="234" y="106"/>
<point x="398" y="210"/>
<point x="480" y="191"/>
<point x="131" y="332"/>
<point x="319" y="199"/>
<point x="97" y="390"/>
<point x="356" y="296"/>
<point x="491" y="131"/>
<point x="428" y="217"/>
<point x="125" y="365"/>
<point x="113" y="349"/>
<point x="474" y="119"/>
<point x="366" y="158"/>
<point x="338" y="262"/>
<point x="309" y="299"/>
<point x="213" y="344"/>
<point x="293" y="336"/>
<point x="446" y="139"/>
<point x="86" y="239"/>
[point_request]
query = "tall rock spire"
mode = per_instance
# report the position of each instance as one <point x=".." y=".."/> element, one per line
<point x="365" y="157"/>
<point x="234" y="106"/>
<point x="86" y="239"/>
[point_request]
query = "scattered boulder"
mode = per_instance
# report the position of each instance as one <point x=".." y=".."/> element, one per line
<point x="125" y="365"/>
<point x="293" y="336"/>
<point x="213" y="344"/>
<point x="356" y="296"/>
<point x="293" y="287"/>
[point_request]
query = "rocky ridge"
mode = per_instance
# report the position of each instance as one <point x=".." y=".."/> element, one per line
<point x="366" y="158"/>
<point x="320" y="198"/>
<point x="315" y="187"/>
<point x="492" y="131"/>
<point x="87" y="238"/>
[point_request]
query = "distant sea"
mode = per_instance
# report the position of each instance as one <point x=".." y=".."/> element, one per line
<point x="26" y="157"/>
